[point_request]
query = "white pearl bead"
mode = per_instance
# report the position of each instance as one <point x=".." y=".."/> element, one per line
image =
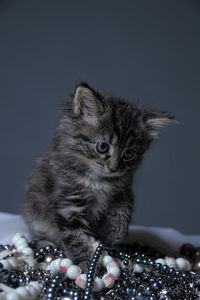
<point x="106" y="259"/>
<point x="83" y="276"/>
<point x="182" y="264"/>
<point x="81" y="281"/>
<point x="22" y="291"/>
<point x="138" y="268"/>
<point x="66" y="262"/>
<point x="21" y="242"/>
<point x="160" y="261"/>
<point x="31" y="290"/>
<point x="27" y="251"/>
<point x="114" y="270"/>
<point x="108" y="280"/>
<point x="170" y="261"/>
<point x="21" y="248"/>
<point x="188" y="266"/>
<point x="16" y="237"/>
<point x="73" y="272"/>
<point x="98" y="284"/>
<point x="36" y="285"/>
<point x="55" y="265"/>
<point x="13" y="296"/>
<point x="5" y="264"/>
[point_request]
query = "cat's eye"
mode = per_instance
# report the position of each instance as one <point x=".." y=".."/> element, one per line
<point x="102" y="147"/>
<point x="128" y="154"/>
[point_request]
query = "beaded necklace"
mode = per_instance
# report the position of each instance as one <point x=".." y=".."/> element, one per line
<point x="28" y="273"/>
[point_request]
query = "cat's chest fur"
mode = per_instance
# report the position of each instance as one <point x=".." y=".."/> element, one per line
<point x="101" y="193"/>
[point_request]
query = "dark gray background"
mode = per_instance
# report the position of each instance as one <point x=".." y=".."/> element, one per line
<point x="146" y="51"/>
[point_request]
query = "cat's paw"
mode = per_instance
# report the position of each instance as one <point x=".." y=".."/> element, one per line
<point x="43" y="243"/>
<point x="101" y="270"/>
<point x="116" y="235"/>
<point x="84" y="265"/>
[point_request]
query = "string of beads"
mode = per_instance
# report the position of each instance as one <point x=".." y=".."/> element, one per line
<point x="47" y="274"/>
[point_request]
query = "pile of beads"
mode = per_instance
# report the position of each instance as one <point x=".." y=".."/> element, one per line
<point x="65" y="265"/>
<point x="21" y="244"/>
<point x="28" y="273"/>
<point x="30" y="291"/>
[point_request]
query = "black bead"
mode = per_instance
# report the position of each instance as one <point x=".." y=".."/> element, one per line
<point x="50" y="296"/>
<point x="94" y="260"/>
<point x="171" y="271"/>
<point x="89" y="276"/>
<point x="158" y="265"/>
<point x="36" y="255"/>
<point x="49" y="248"/>
<point x="126" y="262"/>
<point x="101" y="246"/>
<point x="42" y="250"/>
<point x="144" y="261"/>
<point x="87" y="292"/>
<point x="121" y="254"/>
<point x="51" y="290"/>
<point x="65" y="292"/>
<point x="56" y="250"/>
<point x="155" y="286"/>
<point x="165" y="268"/>
<point x="61" y="254"/>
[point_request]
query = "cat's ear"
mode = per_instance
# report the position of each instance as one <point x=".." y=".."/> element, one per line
<point x="86" y="104"/>
<point x="156" y="120"/>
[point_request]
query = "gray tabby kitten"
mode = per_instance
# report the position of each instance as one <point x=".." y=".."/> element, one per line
<point x="81" y="185"/>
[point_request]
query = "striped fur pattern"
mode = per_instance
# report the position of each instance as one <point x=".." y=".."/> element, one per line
<point x="75" y="191"/>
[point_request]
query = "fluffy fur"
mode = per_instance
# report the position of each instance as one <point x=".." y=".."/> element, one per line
<point x="74" y="190"/>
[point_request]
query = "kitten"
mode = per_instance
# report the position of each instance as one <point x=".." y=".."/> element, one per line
<point x="81" y="185"/>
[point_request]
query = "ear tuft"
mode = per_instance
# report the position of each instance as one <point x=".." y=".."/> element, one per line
<point x="156" y="121"/>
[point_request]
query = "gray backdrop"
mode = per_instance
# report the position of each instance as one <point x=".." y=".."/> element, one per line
<point x="146" y="51"/>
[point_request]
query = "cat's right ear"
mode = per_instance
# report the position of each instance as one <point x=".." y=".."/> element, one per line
<point x="86" y="104"/>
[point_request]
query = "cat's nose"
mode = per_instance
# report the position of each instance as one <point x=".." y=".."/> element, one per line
<point x="112" y="170"/>
<point x="113" y="166"/>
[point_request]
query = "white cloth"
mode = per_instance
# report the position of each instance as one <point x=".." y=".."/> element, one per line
<point x="166" y="239"/>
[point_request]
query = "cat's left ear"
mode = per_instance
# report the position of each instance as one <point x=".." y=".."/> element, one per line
<point x="156" y="120"/>
<point x="87" y="105"/>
